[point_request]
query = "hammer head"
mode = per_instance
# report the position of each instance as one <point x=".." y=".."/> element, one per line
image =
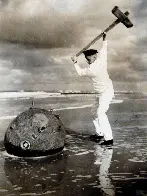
<point x="122" y="17"/>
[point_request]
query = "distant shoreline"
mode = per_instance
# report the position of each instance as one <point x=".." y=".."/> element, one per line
<point x="41" y="94"/>
<point x="69" y="92"/>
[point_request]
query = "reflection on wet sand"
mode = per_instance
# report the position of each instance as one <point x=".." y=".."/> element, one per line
<point x="104" y="178"/>
<point x="38" y="176"/>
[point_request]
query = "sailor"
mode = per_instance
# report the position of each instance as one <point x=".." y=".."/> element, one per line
<point x="103" y="87"/>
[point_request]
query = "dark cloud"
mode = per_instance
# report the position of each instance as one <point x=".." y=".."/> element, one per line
<point x="4" y="2"/>
<point x="39" y="24"/>
<point x="24" y="59"/>
<point x="139" y="60"/>
<point x="22" y="68"/>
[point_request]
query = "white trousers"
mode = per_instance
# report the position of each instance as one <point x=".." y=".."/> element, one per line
<point x="100" y="119"/>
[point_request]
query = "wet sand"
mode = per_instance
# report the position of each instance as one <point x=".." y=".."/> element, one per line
<point x="84" y="168"/>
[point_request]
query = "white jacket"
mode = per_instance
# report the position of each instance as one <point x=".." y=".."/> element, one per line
<point x="97" y="71"/>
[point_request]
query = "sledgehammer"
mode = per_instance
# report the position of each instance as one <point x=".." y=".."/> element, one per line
<point x="121" y="18"/>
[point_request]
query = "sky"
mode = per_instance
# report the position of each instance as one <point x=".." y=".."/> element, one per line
<point x="38" y="38"/>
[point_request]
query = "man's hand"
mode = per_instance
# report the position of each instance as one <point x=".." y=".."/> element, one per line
<point x="104" y="36"/>
<point x="74" y="59"/>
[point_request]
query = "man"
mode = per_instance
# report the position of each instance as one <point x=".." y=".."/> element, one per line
<point x="103" y="86"/>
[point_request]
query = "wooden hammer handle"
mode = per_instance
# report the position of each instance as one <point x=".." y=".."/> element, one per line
<point x="99" y="36"/>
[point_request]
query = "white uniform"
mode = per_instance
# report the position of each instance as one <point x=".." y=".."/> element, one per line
<point x="103" y="86"/>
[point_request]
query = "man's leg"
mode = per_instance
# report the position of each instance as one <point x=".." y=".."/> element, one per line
<point x="104" y="124"/>
<point x="95" y="118"/>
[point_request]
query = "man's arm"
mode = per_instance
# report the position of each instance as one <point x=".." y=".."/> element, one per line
<point x="103" y="52"/>
<point x="79" y="70"/>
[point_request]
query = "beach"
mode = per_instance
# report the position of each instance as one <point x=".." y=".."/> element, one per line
<point x="84" y="168"/>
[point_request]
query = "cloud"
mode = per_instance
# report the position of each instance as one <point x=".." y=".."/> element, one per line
<point x="54" y="23"/>
<point x="139" y="58"/>
<point x="41" y="23"/>
<point x="65" y="24"/>
<point x="33" y="69"/>
<point x="23" y="58"/>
